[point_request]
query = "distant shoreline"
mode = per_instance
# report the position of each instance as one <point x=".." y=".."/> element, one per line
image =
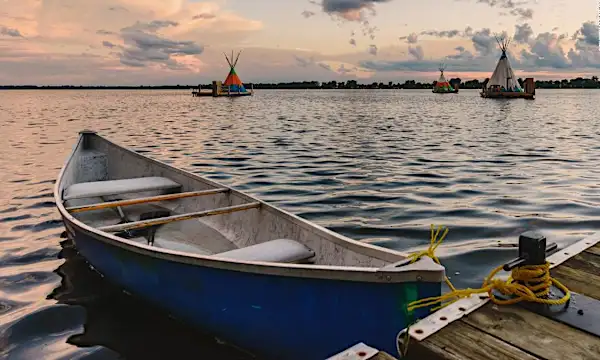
<point x="577" y="83"/>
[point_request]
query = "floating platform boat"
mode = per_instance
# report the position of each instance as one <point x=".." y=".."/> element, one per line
<point x="503" y="83"/>
<point x="218" y="89"/>
<point x="442" y="86"/>
<point x="506" y="95"/>
<point x="231" y="87"/>
<point x="246" y="271"/>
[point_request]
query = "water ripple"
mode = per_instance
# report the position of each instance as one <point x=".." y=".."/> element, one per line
<point x="377" y="166"/>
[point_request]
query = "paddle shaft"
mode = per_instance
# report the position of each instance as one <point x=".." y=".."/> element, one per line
<point x="181" y="217"/>
<point x="113" y="204"/>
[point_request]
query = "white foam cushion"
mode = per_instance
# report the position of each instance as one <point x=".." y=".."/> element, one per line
<point x="280" y="250"/>
<point x="116" y="187"/>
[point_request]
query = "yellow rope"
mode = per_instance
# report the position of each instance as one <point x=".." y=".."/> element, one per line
<point x="534" y="287"/>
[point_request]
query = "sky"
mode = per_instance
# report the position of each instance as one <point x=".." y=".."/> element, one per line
<point x="153" y="42"/>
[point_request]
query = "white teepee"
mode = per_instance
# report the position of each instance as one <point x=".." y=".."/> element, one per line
<point x="442" y="79"/>
<point x="503" y="75"/>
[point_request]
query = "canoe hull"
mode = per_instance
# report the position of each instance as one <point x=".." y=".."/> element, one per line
<point x="279" y="317"/>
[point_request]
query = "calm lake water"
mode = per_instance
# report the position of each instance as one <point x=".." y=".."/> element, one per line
<point x="375" y="165"/>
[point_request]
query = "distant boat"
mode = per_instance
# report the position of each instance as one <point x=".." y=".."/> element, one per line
<point x="249" y="273"/>
<point x="442" y="86"/>
<point x="503" y="83"/>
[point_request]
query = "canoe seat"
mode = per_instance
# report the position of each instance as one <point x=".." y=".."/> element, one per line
<point x="180" y="246"/>
<point x="280" y="250"/>
<point x="117" y="187"/>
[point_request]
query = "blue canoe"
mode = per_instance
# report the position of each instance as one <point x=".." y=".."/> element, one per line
<point x="253" y="275"/>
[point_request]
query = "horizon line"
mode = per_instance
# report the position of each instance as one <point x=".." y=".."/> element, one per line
<point x="358" y="82"/>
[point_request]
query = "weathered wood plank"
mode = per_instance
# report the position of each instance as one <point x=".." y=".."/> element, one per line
<point x="461" y="341"/>
<point x="383" y="356"/>
<point x="533" y="333"/>
<point x="511" y="332"/>
<point x="594" y="249"/>
<point x="581" y="274"/>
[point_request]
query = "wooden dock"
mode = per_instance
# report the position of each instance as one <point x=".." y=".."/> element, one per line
<point x="361" y="351"/>
<point x="494" y="332"/>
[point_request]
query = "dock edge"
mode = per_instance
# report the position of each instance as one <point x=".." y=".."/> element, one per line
<point x="439" y="319"/>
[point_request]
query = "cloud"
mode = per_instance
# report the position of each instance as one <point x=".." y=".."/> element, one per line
<point x="372" y="50"/>
<point x="9" y="32"/>
<point x="542" y="52"/>
<point x="484" y="42"/>
<point x="369" y="30"/>
<point x="325" y="66"/>
<point x="331" y="66"/>
<point x="104" y="32"/>
<point x="546" y="50"/>
<point x="523" y="14"/>
<point x="147" y="43"/>
<point x="307" y="13"/>
<point x="523" y="33"/>
<point x="304" y="62"/>
<point x="587" y="34"/>
<point x="514" y="7"/>
<point x="417" y="52"/>
<point x="345" y="70"/>
<point x="151" y="26"/>
<point x="442" y="34"/>
<point x="108" y="44"/>
<point x="143" y="47"/>
<point x="118" y="8"/>
<point x="462" y="54"/>
<point x="412" y="38"/>
<point x="352" y="10"/>
<point x="585" y="54"/>
<point x="204" y="16"/>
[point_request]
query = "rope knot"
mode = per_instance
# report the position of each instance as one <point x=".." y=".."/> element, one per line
<point x="526" y="283"/>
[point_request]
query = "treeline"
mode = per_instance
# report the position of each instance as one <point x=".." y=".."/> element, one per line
<point x="94" y="87"/>
<point x="577" y="83"/>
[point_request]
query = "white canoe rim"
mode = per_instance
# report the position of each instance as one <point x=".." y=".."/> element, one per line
<point x="397" y="267"/>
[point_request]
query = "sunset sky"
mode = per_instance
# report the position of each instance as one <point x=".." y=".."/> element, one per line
<point x="148" y="42"/>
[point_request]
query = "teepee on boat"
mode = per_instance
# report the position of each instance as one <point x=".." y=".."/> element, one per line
<point x="503" y="83"/>
<point x="233" y="80"/>
<point x="442" y="85"/>
<point x="503" y="76"/>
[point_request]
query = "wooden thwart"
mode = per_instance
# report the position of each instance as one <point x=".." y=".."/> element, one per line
<point x="169" y="219"/>
<point x="113" y="204"/>
<point x="513" y="332"/>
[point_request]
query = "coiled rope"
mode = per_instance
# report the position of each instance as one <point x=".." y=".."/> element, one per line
<point x="530" y="283"/>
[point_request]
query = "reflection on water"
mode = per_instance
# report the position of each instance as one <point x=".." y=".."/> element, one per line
<point x="378" y="166"/>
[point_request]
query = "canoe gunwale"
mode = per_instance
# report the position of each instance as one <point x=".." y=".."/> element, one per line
<point x="424" y="271"/>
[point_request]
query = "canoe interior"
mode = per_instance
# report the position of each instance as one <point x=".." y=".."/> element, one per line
<point x="97" y="159"/>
